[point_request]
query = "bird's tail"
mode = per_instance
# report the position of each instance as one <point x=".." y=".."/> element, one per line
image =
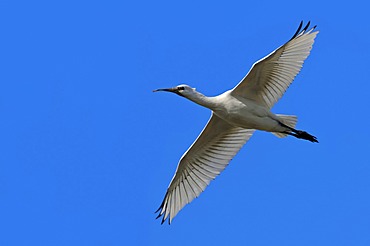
<point x="287" y="120"/>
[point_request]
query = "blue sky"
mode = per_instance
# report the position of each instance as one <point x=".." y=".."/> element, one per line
<point x="87" y="150"/>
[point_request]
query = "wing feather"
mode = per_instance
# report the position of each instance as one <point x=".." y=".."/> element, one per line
<point x="271" y="76"/>
<point x="208" y="156"/>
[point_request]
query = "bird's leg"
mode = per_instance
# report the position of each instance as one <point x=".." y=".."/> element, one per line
<point x="300" y="134"/>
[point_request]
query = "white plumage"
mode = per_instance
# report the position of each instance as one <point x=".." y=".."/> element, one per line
<point x="236" y="114"/>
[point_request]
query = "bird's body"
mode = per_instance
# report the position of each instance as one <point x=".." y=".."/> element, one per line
<point x="236" y="114"/>
<point x="246" y="113"/>
<point x="239" y="111"/>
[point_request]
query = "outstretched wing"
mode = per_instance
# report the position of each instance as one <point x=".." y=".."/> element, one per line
<point x="208" y="156"/>
<point x="271" y="76"/>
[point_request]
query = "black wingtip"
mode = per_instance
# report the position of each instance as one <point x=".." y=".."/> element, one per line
<point x="159" y="215"/>
<point x="163" y="220"/>
<point x="161" y="212"/>
<point x="300" y="30"/>
<point x="160" y="207"/>
<point x="306" y="27"/>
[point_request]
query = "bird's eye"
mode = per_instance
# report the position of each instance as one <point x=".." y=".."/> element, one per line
<point x="181" y="88"/>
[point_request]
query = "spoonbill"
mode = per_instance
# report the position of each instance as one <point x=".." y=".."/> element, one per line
<point x="236" y="114"/>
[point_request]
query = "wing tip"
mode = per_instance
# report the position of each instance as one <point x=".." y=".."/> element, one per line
<point x="301" y="31"/>
<point x="163" y="218"/>
<point x="162" y="212"/>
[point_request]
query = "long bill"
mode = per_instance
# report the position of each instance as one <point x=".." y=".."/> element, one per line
<point x="166" y="89"/>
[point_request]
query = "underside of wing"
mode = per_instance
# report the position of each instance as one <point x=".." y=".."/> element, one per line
<point x="218" y="143"/>
<point x="271" y="76"/>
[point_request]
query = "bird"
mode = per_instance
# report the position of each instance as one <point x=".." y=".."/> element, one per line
<point x="236" y="115"/>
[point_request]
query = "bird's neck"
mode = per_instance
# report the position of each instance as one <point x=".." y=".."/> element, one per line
<point x="199" y="98"/>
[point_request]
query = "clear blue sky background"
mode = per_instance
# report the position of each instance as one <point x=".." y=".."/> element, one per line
<point x="87" y="150"/>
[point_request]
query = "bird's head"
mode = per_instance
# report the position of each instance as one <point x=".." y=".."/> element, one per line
<point x="181" y="90"/>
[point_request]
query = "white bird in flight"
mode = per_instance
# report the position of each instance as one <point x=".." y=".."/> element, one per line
<point x="236" y="114"/>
